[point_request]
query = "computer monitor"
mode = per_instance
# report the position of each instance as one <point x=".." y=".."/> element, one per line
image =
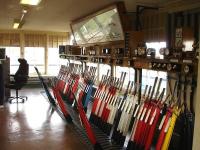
<point x="2" y="53"/>
<point x="62" y="49"/>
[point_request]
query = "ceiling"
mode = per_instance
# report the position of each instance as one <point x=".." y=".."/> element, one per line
<point x="56" y="15"/>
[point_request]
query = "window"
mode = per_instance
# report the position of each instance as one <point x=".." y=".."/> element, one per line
<point x="188" y="45"/>
<point x="35" y="57"/>
<point x="148" y="76"/>
<point x="54" y="61"/>
<point x="75" y="62"/>
<point x="63" y="62"/>
<point x="130" y="74"/>
<point x="13" y="53"/>
<point x="92" y="65"/>
<point x="103" y="69"/>
<point x="157" y="46"/>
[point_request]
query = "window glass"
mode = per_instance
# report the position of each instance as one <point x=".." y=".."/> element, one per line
<point x="35" y="57"/>
<point x="75" y="62"/>
<point x="148" y="76"/>
<point x="13" y="53"/>
<point x="103" y="69"/>
<point x="64" y="62"/>
<point x="188" y="45"/>
<point x="130" y="74"/>
<point x="91" y="64"/>
<point x="54" y="61"/>
<point x="157" y="46"/>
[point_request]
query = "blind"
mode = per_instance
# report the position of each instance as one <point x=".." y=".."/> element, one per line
<point x="56" y="40"/>
<point x="34" y="40"/>
<point x="9" y="39"/>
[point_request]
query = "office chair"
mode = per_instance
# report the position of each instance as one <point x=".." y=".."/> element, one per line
<point x="20" y="80"/>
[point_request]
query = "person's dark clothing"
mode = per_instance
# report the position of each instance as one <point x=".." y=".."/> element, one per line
<point x="22" y="72"/>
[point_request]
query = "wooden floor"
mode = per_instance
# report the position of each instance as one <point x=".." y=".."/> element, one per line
<point x="30" y="126"/>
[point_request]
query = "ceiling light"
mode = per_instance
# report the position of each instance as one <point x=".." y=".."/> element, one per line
<point x="30" y="2"/>
<point x="16" y="25"/>
<point x="24" y="11"/>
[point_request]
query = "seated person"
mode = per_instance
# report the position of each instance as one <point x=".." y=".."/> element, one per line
<point x="21" y="76"/>
<point x="20" y="79"/>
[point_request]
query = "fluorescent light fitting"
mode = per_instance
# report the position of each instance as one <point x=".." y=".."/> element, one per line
<point x="30" y="2"/>
<point x="16" y="25"/>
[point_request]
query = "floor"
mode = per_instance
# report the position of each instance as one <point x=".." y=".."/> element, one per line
<point x="31" y="126"/>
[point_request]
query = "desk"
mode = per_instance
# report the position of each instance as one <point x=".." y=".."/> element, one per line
<point x="2" y="89"/>
<point x="4" y="79"/>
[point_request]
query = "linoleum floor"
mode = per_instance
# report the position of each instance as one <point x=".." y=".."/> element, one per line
<point x="31" y="126"/>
